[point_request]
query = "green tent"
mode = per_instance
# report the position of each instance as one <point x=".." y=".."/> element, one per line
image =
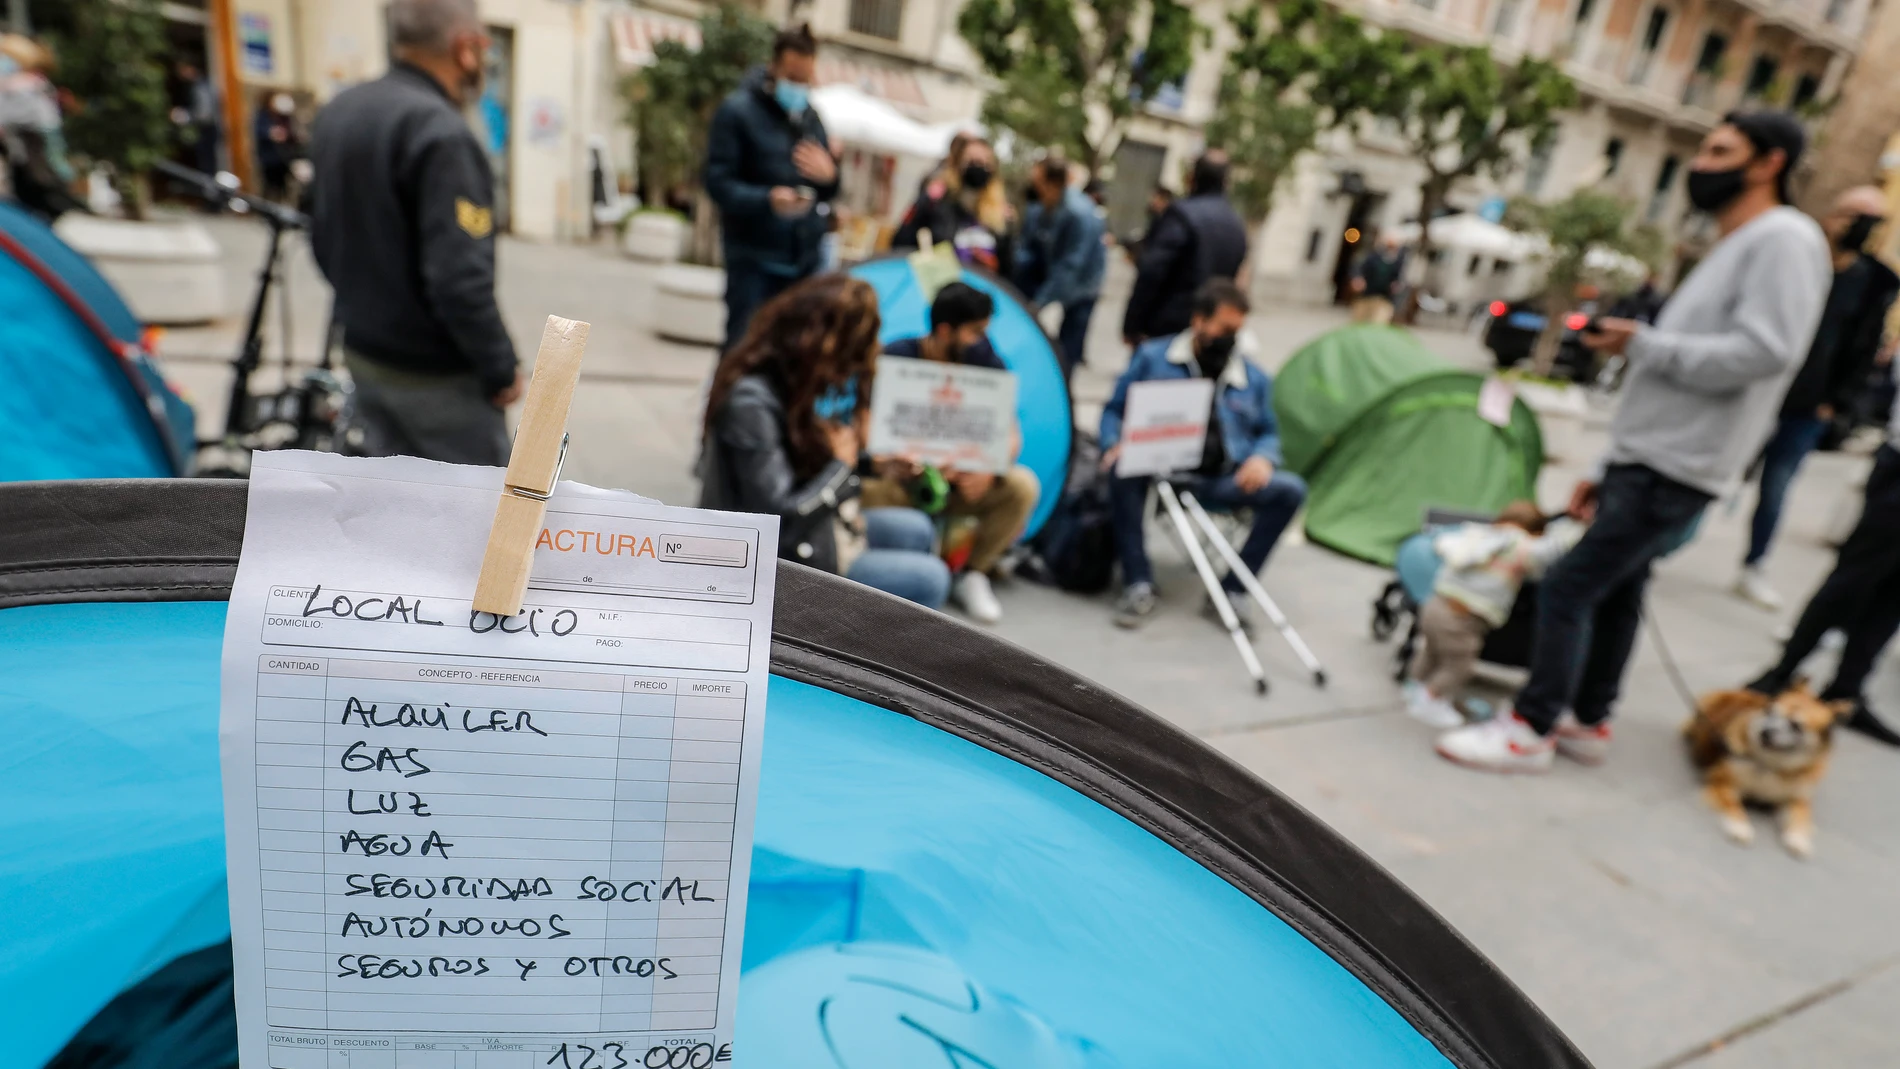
<point x="1382" y="430"/>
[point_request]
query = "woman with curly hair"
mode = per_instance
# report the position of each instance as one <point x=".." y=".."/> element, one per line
<point x="782" y="436"/>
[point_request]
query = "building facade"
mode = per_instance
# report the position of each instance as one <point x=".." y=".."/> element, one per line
<point x="1654" y="77"/>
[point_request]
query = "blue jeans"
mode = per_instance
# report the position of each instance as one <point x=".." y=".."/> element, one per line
<point x="1273" y="507"/>
<point x="1073" y="338"/>
<point x="1590" y="604"/>
<point x="902" y="559"/>
<point x="1795" y="437"/>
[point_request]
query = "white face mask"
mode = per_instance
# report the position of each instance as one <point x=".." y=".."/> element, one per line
<point x="282" y="104"/>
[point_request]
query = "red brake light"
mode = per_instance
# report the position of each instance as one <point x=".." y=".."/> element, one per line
<point x="1576" y="321"/>
<point x="1498" y="308"/>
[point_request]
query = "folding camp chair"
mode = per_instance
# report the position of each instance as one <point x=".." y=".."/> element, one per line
<point x="1181" y="505"/>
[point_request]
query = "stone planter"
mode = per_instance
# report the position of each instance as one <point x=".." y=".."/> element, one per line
<point x="690" y="304"/>
<point x="658" y="237"/>
<point x="168" y="271"/>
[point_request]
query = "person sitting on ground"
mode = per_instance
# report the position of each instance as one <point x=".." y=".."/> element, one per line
<point x="1481" y="568"/>
<point x="781" y="436"/>
<point x="999" y="504"/>
<point x="966" y="205"/>
<point x="1239" y="461"/>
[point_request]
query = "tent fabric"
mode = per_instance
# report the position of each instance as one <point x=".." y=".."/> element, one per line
<point x="1044" y="774"/>
<point x="1383" y="430"/>
<point x="82" y="400"/>
<point x="1043" y="410"/>
<point x="1332" y="380"/>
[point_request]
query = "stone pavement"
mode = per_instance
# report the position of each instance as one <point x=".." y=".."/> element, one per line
<point x="1609" y="895"/>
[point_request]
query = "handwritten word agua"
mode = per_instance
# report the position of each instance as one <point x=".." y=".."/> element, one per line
<point x="393" y="845"/>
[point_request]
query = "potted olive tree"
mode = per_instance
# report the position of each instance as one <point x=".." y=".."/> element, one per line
<point x="111" y="58"/>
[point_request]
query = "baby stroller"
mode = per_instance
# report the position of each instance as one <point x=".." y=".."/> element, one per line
<point x="1416" y="570"/>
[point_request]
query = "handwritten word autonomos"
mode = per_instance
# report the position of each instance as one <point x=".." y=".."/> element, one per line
<point x="427" y="924"/>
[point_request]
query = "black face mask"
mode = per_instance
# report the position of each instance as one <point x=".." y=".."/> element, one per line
<point x="976" y="176"/>
<point x="1854" y="238"/>
<point x="1711" y="191"/>
<point x="1213" y="352"/>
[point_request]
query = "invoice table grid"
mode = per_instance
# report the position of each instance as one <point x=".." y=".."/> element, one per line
<point x="407" y="853"/>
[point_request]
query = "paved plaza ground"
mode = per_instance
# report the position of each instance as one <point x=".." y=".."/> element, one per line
<point x="1609" y="895"/>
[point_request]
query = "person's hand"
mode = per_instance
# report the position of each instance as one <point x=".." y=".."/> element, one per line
<point x="842" y="439"/>
<point x="971" y="485"/>
<point x="1357" y="285"/>
<point x="1109" y="458"/>
<point x="510" y="393"/>
<point x="899" y="469"/>
<point x="815" y="162"/>
<point x="1583" y="501"/>
<point x="1253" y="474"/>
<point x="1824" y="413"/>
<point x="1610" y="335"/>
<point x="787" y="201"/>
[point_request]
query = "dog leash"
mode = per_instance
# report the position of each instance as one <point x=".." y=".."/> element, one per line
<point x="1669" y="660"/>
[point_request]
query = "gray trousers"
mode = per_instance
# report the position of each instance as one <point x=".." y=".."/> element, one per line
<point x="436" y="417"/>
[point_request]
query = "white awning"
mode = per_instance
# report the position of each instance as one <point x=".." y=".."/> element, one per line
<point x="1472" y="234"/>
<point x="856" y="118"/>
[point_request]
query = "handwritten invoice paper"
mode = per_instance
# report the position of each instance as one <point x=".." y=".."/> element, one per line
<point x="457" y="841"/>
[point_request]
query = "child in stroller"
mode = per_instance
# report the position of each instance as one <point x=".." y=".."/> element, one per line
<point x="1463" y="584"/>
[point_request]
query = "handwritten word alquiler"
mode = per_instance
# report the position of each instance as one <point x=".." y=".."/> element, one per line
<point x="409" y="715"/>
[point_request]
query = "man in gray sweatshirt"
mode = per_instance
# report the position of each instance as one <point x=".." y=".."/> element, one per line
<point x="1700" y="398"/>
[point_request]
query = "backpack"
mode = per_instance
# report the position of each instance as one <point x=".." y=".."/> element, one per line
<point x="1076" y="545"/>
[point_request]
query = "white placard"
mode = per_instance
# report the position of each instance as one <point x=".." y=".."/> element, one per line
<point x="450" y="832"/>
<point x="950" y="415"/>
<point x="1164" y="426"/>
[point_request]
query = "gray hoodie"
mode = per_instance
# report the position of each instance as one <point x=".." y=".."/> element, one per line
<point x="1706" y="381"/>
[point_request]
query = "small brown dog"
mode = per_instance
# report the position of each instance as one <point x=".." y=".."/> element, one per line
<point x="1771" y="751"/>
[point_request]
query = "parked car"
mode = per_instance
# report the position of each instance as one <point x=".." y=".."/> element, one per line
<point x="1511" y="335"/>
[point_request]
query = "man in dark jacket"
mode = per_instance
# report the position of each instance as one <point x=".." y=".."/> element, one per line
<point x="402" y="224"/>
<point x="769" y="168"/>
<point x="1197" y="238"/>
<point x="1832" y="378"/>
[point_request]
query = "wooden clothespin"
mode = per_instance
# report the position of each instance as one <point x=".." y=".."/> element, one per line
<point x="533" y="468"/>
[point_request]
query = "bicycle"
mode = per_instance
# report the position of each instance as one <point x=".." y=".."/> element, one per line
<point x="311" y="410"/>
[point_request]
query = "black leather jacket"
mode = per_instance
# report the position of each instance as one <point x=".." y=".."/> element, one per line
<point x="744" y="467"/>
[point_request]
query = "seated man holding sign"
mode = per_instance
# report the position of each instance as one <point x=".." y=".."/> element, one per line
<point x="965" y="426"/>
<point x="1223" y="445"/>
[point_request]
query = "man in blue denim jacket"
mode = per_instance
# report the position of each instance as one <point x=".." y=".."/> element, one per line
<point x="1239" y="462"/>
<point x="1061" y="258"/>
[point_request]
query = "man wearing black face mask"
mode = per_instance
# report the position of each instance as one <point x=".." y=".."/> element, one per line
<point x="1240" y="457"/>
<point x="403" y="226"/>
<point x="1703" y="387"/>
<point x="1832" y="378"/>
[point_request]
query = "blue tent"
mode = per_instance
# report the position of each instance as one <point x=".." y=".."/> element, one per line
<point x="82" y="400"/>
<point x="1042" y="395"/>
<point x="965" y="856"/>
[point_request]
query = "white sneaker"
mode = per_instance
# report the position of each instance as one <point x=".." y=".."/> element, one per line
<point x="1585" y="745"/>
<point x="1752" y="585"/>
<point x="1504" y="743"/>
<point x="972" y="591"/>
<point x="1428" y="708"/>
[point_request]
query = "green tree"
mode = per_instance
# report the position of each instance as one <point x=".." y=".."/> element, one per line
<point x="1315" y="70"/>
<point x="112" y="58"/>
<point x="1062" y="63"/>
<point x="1574" y="227"/>
<point x="1466" y="114"/>
<point x="670" y="104"/>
